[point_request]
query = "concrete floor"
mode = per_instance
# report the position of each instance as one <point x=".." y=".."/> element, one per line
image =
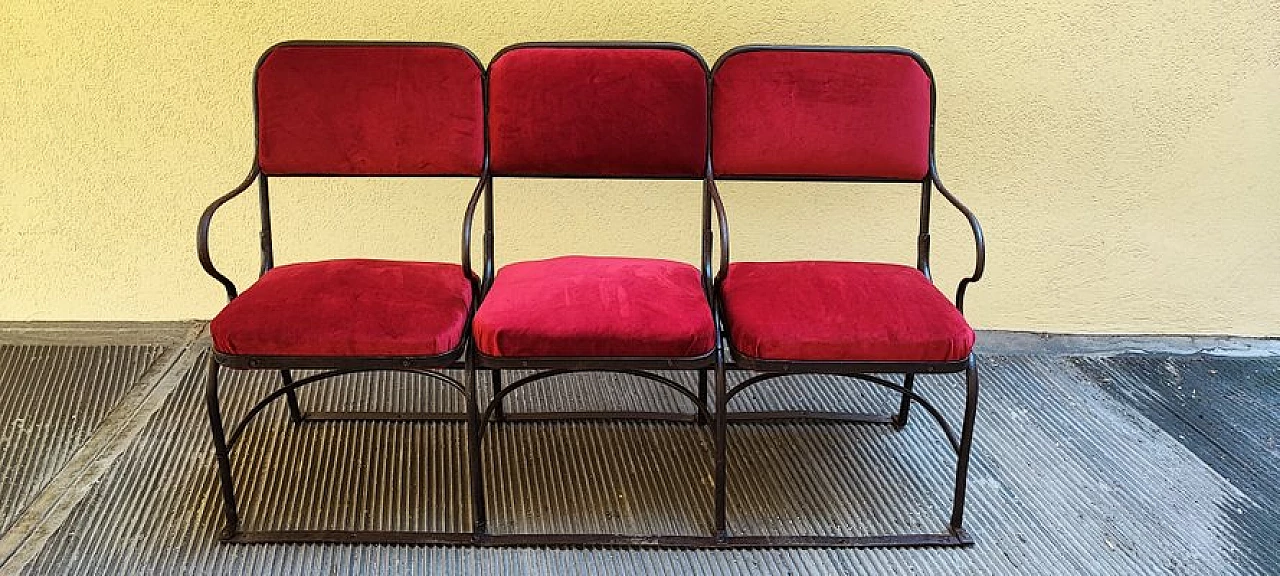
<point x="1095" y="455"/>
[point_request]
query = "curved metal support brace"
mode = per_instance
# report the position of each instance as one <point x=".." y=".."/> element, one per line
<point x="713" y="193"/>
<point x="906" y="393"/>
<point x="495" y="381"/>
<point x="758" y="378"/>
<point x="481" y="187"/>
<point x="202" y="233"/>
<point x="494" y="403"/>
<point x="979" y="242"/>
<point x="291" y="398"/>
<point x="284" y="390"/>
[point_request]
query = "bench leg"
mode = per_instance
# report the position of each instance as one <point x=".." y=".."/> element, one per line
<point x="702" y="397"/>
<point x="721" y="441"/>
<point x="222" y="452"/>
<point x="479" y="523"/>
<point x="904" y="407"/>
<point x="966" y="443"/>
<point x="291" y="397"/>
<point x="499" y="414"/>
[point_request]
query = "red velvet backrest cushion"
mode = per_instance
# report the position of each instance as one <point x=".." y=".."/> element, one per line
<point x="370" y="110"/>
<point x="598" y="111"/>
<point x="822" y="114"/>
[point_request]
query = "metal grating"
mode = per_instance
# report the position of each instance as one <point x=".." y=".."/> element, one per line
<point x="1227" y="412"/>
<point x="52" y="399"/>
<point x="1067" y="479"/>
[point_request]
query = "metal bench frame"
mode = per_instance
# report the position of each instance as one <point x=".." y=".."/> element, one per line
<point x="711" y="369"/>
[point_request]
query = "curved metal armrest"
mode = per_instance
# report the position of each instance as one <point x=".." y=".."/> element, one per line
<point x="723" y="221"/>
<point x="476" y="282"/>
<point x="202" y="233"/>
<point x="980" y="243"/>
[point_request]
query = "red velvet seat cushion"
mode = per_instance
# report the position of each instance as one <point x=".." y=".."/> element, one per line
<point x="343" y="308"/>
<point x="841" y="311"/>
<point x="598" y="111"/>
<point x="821" y="113"/>
<point x="580" y="306"/>
<point x="369" y="109"/>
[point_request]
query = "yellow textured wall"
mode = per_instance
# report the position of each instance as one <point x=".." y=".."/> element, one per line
<point x="1124" y="157"/>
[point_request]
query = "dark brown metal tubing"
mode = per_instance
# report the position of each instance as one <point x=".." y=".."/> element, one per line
<point x="811" y="178"/>
<point x="314" y="417"/>
<point x="494" y="402"/>
<point x="742" y="361"/>
<point x="479" y="521"/>
<point x="498" y="397"/>
<point x="810" y="415"/>
<point x="519" y="417"/>
<point x="424" y="372"/>
<point x="268" y="257"/>
<point x="885" y="541"/>
<point x="222" y="452"/>
<point x="202" y="232"/>
<point x="601" y="540"/>
<point x="273" y="396"/>
<point x="721" y="434"/>
<point x="611" y="416"/>
<point x="702" y="395"/>
<point x="467" y="221"/>
<point x="923" y="240"/>
<point x="904" y="408"/>
<point x="766" y="376"/>
<point x="495" y="376"/>
<point x="619" y="44"/>
<point x="707" y="241"/>
<point x="980" y="243"/>
<point x="291" y="397"/>
<point x="243" y="362"/>
<point x="587" y="363"/>
<point x="966" y="445"/>
<point x="723" y="221"/>
<point x="730" y="542"/>
<point x="489" y="266"/>
<point x="922" y="401"/>
<point x="351" y="537"/>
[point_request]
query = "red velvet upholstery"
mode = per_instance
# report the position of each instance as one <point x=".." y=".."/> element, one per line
<point x="370" y="110"/>
<point x="342" y="308"/>
<point x="580" y="306"/>
<point x="814" y="113"/>
<point x="834" y="311"/>
<point x="574" y="111"/>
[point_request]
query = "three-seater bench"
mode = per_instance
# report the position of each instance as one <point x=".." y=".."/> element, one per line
<point x="592" y="111"/>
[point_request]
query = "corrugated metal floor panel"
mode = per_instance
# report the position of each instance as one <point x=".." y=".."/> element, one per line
<point x="1227" y="412"/>
<point x="52" y="399"/>
<point x="1067" y="478"/>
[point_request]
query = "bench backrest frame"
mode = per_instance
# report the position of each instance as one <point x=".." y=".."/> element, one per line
<point x="267" y="248"/>
<point x="925" y="182"/>
<point x="703" y="173"/>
